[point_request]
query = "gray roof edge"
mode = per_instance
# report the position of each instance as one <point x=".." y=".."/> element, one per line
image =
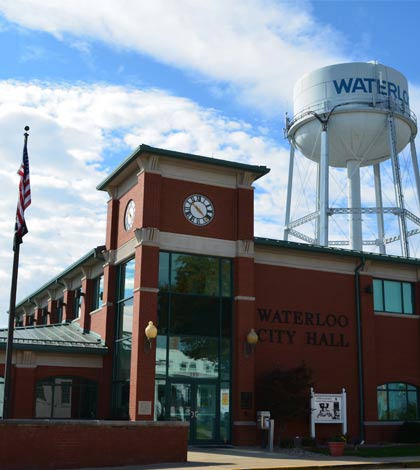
<point x="94" y="253"/>
<point x="334" y="251"/>
<point x="143" y="148"/>
<point x="100" y="351"/>
<point x="89" y="342"/>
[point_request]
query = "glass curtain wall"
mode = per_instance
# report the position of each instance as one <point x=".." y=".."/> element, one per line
<point x="193" y="355"/>
<point x="122" y="344"/>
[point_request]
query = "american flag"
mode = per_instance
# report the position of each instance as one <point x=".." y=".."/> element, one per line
<point x="24" y="194"/>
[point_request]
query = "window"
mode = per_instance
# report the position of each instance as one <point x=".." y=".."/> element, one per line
<point x="66" y="397"/>
<point x="393" y="297"/>
<point x="397" y="402"/>
<point x="122" y="349"/>
<point x="77" y="302"/>
<point x="98" y="292"/>
<point x="44" y="316"/>
<point x="60" y="303"/>
<point x="195" y="314"/>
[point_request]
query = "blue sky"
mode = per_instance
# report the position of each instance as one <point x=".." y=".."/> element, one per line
<point x="95" y="80"/>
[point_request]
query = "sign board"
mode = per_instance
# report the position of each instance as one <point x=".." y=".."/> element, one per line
<point x="328" y="408"/>
<point x="224" y="400"/>
<point x="144" y="408"/>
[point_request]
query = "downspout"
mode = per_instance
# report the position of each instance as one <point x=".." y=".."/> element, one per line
<point x="360" y="349"/>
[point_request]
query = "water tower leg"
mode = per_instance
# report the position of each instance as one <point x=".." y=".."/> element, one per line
<point x="379" y="205"/>
<point x="323" y="188"/>
<point x="289" y="192"/>
<point x="415" y="163"/>
<point x="318" y="179"/>
<point x="354" y="202"/>
<point x="398" y="186"/>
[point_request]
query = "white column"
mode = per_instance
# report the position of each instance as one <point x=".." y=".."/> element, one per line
<point x="317" y="202"/>
<point x="398" y="186"/>
<point x="354" y="203"/>
<point x="271" y="436"/>
<point x="379" y="205"/>
<point x="415" y="163"/>
<point x="312" y="414"/>
<point x="323" y="188"/>
<point x="289" y="192"/>
<point x="344" y="410"/>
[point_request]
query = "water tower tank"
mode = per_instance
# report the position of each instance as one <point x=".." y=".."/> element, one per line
<point x="361" y="96"/>
<point x="349" y="116"/>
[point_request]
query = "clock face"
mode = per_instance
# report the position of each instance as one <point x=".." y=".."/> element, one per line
<point x="130" y="211"/>
<point x="198" y="209"/>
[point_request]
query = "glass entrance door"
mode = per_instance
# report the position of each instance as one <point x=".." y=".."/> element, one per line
<point x="205" y="412"/>
<point x="195" y="402"/>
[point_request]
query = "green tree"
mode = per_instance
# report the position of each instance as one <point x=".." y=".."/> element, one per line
<point x="285" y="393"/>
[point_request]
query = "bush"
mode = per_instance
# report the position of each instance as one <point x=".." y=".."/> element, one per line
<point x="308" y="442"/>
<point x="409" y="432"/>
<point x="287" y="443"/>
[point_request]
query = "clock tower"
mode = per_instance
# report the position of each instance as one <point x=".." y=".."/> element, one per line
<point x="180" y="240"/>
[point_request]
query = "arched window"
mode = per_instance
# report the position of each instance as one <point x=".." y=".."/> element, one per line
<point x="398" y="402"/>
<point x="66" y="397"/>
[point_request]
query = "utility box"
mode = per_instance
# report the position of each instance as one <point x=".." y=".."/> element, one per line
<point x="263" y="420"/>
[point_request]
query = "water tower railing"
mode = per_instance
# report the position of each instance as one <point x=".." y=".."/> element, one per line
<point x="385" y="105"/>
<point x="291" y="227"/>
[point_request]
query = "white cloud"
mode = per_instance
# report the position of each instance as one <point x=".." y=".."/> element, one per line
<point x="256" y="47"/>
<point x="78" y="135"/>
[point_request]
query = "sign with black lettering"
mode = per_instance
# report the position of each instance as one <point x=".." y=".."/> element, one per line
<point x="285" y="326"/>
<point x="328" y="408"/>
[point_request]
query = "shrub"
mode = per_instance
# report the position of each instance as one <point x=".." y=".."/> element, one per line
<point x="308" y="442"/>
<point x="409" y="432"/>
<point x="287" y="443"/>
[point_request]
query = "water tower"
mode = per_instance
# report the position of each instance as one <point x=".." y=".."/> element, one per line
<point x="350" y="116"/>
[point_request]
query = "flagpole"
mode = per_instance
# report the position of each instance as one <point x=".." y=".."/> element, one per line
<point x="17" y="240"/>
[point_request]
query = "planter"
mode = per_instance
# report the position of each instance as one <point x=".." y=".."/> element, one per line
<point x="336" y="448"/>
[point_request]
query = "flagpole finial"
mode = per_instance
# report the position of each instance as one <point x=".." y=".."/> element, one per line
<point x="27" y="128"/>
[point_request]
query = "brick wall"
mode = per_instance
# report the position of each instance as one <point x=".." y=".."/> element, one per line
<point x="51" y="444"/>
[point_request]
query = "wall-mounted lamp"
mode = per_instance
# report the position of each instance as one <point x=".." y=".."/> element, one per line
<point x="251" y="341"/>
<point x="151" y="333"/>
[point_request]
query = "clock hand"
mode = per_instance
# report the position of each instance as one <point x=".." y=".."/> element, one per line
<point x="198" y="209"/>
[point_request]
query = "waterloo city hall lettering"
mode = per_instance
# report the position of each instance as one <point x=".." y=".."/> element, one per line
<point x="286" y="326"/>
<point x="371" y="85"/>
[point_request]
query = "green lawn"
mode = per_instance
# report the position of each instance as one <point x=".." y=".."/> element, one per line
<point x="383" y="451"/>
<point x="386" y="451"/>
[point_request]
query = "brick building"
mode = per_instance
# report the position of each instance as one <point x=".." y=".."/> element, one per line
<point x="180" y="251"/>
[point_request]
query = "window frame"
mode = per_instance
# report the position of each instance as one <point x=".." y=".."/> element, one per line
<point x="392" y="387"/>
<point x="77" y="307"/>
<point x="82" y="384"/>
<point x="119" y="385"/>
<point x="404" y="310"/>
<point x="98" y="292"/>
<point x="59" y="309"/>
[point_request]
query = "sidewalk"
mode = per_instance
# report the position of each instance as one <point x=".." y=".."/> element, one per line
<point x="250" y="458"/>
